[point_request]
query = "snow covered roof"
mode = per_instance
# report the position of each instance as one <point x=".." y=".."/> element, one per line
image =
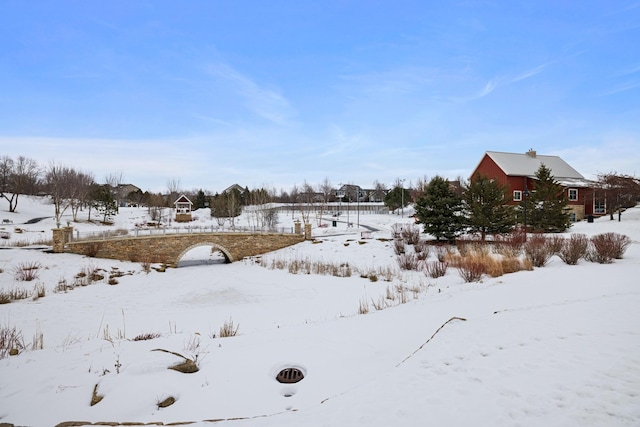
<point x="516" y="164"/>
<point x="183" y="199"/>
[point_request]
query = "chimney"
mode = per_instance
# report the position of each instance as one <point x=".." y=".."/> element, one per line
<point x="531" y="153"/>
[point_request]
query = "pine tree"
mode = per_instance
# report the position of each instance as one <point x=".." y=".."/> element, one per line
<point x="395" y="198"/>
<point x="548" y="208"/>
<point x="440" y="210"/>
<point x="486" y="207"/>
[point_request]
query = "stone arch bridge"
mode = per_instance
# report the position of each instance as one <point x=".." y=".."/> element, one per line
<point x="170" y="248"/>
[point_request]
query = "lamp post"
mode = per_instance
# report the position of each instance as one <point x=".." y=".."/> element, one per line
<point x="340" y="195"/>
<point x="402" y="195"/>
<point x="525" y="194"/>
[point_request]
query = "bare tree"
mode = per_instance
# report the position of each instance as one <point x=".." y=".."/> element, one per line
<point x="620" y="191"/>
<point x="294" y="196"/>
<point x="379" y="191"/>
<point x="173" y="187"/>
<point x="115" y="181"/>
<point x="81" y="185"/>
<point x="17" y="177"/>
<point x="307" y="201"/>
<point x="326" y="190"/>
<point x="59" y="182"/>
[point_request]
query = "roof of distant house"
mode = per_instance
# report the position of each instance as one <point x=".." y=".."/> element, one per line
<point x="527" y="164"/>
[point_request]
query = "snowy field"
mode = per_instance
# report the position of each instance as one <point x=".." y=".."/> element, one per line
<point x="557" y="346"/>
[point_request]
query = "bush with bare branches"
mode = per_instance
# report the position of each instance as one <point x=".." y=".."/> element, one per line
<point x="410" y="234"/>
<point x="471" y="269"/>
<point x="606" y="247"/>
<point x="435" y="269"/>
<point x="538" y="250"/>
<point x="574" y="249"/>
<point x="398" y="246"/>
<point x="26" y="271"/>
<point x="408" y="261"/>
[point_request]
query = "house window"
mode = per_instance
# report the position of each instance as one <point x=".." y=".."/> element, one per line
<point x="517" y="195"/>
<point x="599" y="207"/>
<point x="573" y="194"/>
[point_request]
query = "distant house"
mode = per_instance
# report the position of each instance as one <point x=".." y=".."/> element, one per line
<point x="517" y="172"/>
<point x="232" y="187"/>
<point x="183" y="209"/>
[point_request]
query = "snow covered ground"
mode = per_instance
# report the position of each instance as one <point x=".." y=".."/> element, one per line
<point x="557" y="346"/>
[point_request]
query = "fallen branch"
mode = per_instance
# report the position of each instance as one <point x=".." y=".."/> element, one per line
<point x="427" y="341"/>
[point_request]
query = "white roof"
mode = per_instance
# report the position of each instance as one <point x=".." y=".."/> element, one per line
<point x="515" y="164"/>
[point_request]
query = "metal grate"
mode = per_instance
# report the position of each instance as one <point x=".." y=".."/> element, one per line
<point x="289" y="376"/>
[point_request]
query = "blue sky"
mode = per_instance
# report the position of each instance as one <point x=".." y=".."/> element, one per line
<point x="276" y="93"/>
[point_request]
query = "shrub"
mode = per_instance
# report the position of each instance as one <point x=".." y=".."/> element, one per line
<point x="574" y="248"/>
<point x="608" y="246"/>
<point x="471" y="269"/>
<point x="398" y="247"/>
<point x="26" y="271"/>
<point x="442" y="251"/>
<point x="11" y="341"/>
<point x="411" y="234"/>
<point x="511" y="265"/>
<point x="422" y="247"/>
<point x="408" y="261"/>
<point x="509" y="245"/>
<point x="556" y="244"/>
<point x="435" y="269"/>
<point x="538" y="250"/>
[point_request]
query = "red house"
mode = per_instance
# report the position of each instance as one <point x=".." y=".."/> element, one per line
<point x="517" y="172"/>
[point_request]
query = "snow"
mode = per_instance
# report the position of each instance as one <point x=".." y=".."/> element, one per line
<point x="556" y="346"/>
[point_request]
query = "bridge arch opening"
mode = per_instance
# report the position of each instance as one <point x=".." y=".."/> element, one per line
<point x="203" y="253"/>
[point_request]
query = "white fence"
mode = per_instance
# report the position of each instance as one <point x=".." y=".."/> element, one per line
<point x="160" y="231"/>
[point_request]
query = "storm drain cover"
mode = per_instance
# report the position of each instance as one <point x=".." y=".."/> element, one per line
<point x="289" y="375"/>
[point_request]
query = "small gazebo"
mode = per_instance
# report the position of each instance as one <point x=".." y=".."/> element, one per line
<point x="183" y="209"/>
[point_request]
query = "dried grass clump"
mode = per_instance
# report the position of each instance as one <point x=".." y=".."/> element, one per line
<point x="511" y="265"/>
<point x="228" y="329"/>
<point x="492" y="266"/>
<point x="606" y="247"/>
<point x="11" y="341"/>
<point x="147" y="336"/>
<point x="26" y="271"/>
<point x="15" y="294"/>
<point x="39" y="291"/>
<point x="363" y="307"/>
<point x="574" y="249"/>
<point x="435" y="269"/>
<point x="538" y="249"/>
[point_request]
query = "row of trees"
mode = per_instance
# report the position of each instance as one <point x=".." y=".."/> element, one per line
<point x="479" y="206"/>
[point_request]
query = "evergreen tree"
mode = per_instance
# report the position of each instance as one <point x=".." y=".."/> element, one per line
<point x="486" y="207"/>
<point x="104" y="202"/>
<point x="548" y="207"/>
<point x="396" y="196"/>
<point x="440" y="210"/>
<point x="201" y="200"/>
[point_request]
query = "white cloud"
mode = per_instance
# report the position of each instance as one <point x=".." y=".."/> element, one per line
<point x="269" y="104"/>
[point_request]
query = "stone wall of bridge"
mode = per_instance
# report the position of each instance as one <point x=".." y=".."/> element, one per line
<point x="170" y="248"/>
